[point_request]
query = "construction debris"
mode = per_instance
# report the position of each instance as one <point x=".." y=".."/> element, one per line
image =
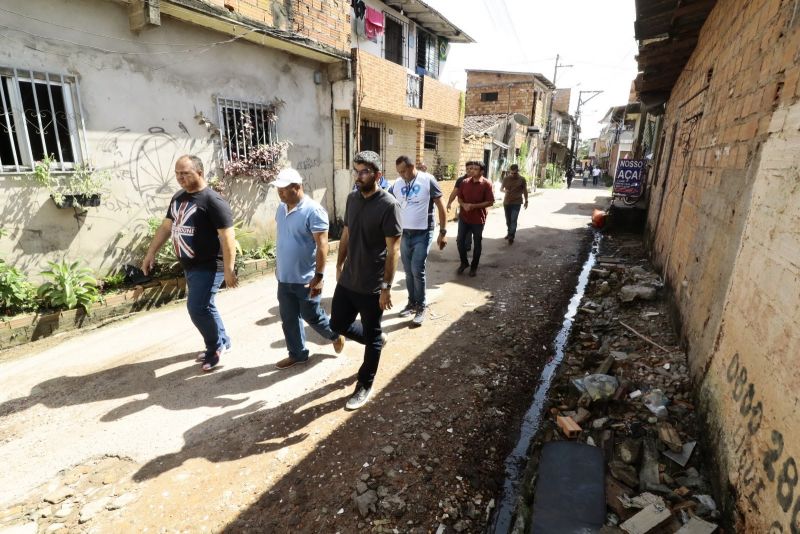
<point x="625" y="387"/>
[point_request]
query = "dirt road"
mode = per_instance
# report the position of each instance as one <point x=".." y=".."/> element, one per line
<point x="117" y="430"/>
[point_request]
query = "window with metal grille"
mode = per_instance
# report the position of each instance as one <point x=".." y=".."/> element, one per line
<point x="431" y="141"/>
<point x="489" y="97"/>
<point x="427" y="53"/>
<point x="244" y="126"/>
<point x="40" y="114"/>
<point x="394" y="39"/>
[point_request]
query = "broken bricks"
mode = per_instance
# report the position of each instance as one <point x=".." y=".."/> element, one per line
<point x="631" y="398"/>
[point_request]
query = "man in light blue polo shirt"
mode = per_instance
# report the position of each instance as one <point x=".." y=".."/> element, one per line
<point x="301" y="255"/>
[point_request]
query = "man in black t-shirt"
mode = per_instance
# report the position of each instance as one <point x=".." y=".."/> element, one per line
<point x="365" y="267"/>
<point x="200" y="223"/>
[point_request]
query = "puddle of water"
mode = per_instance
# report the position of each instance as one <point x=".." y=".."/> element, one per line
<point x="517" y="460"/>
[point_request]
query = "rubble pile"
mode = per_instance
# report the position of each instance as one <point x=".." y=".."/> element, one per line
<point x="624" y="386"/>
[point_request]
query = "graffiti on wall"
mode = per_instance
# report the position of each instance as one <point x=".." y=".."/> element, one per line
<point x="765" y="473"/>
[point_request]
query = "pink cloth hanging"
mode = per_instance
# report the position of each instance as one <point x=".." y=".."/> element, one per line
<point x="373" y="23"/>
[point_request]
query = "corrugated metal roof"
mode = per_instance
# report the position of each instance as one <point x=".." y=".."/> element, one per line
<point x="430" y="19"/>
<point x="667" y="31"/>
<point x="478" y="124"/>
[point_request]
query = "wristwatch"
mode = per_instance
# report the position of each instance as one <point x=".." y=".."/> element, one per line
<point x="385" y="285"/>
<point x="321" y="275"/>
<point x="443" y="232"/>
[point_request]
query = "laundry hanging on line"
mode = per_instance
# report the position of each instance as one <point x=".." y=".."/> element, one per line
<point x="373" y="24"/>
<point x="359" y="7"/>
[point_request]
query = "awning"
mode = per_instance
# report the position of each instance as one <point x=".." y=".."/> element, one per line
<point x="430" y="19"/>
<point x="667" y="31"/>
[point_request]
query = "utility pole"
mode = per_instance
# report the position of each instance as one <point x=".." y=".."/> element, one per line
<point x="548" y="130"/>
<point x="577" y="138"/>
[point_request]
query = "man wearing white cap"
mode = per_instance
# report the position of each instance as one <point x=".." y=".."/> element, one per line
<point x="301" y="255"/>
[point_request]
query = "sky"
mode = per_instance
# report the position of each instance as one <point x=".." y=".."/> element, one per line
<point x="596" y="37"/>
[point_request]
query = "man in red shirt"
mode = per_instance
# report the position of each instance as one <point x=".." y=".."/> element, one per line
<point x="474" y="196"/>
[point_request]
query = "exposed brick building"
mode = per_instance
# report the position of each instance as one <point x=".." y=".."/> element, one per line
<point x="516" y="96"/>
<point x="722" y="225"/>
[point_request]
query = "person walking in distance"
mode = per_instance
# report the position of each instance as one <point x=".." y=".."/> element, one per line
<point x="365" y="268"/>
<point x="515" y="188"/>
<point x="474" y="196"/>
<point x="417" y="192"/>
<point x="301" y="255"/>
<point x="570" y="174"/>
<point x="586" y="173"/>
<point x="596" y="172"/>
<point x="200" y="223"/>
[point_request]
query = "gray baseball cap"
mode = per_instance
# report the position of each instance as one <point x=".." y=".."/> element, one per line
<point x="368" y="157"/>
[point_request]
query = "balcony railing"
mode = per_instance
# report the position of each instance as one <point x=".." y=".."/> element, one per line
<point x="414" y="91"/>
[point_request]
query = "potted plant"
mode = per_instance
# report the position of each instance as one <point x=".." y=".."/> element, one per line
<point x="82" y="187"/>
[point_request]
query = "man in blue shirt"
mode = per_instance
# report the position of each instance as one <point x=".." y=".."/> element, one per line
<point x="301" y="255"/>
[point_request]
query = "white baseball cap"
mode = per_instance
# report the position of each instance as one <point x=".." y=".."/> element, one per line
<point x="286" y="177"/>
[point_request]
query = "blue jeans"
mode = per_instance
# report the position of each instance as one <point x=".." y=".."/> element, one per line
<point x="297" y="306"/>
<point x="467" y="232"/>
<point x="512" y="214"/>
<point x="414" y="248"/>
<point x="203" y="286"/>
<point x="347" y="304"/>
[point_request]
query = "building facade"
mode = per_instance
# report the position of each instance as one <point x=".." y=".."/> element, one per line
<point x="511" y="108"/>
<point x="395" y="104"/>
<point x="127" y="89"/>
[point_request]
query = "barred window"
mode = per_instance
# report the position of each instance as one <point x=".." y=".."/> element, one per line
<point x="244" y="126"/>
<point x="39" y="117"/>
<point x="431" y="141"/>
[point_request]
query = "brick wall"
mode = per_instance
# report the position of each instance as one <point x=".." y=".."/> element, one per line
<point x="324" y="21"/>
<point x="515" y="93"/>
<point x="471" y="150"/>
<point x="561" y="99"/>
<point x="724" y="209"/>
<point x="383" y="84"/>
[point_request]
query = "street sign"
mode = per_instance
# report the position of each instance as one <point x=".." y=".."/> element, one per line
<point x="629" y="178"/>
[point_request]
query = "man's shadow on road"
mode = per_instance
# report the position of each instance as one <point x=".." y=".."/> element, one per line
<point x="251" y="433"/>
<point x="184" y="388"/>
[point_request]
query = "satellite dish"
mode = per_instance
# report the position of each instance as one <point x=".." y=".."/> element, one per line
<point x="521" y="119"/>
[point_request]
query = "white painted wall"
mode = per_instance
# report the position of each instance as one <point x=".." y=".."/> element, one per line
<point x="140" y="114"/>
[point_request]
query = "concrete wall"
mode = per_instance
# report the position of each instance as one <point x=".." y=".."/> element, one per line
<point x="722" y="225"/>
<point x="141" y="113"/>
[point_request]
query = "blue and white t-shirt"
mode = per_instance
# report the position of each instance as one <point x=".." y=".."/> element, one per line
<point x="416" y="200"/>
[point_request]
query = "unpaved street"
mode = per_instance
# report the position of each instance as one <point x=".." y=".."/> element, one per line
<point x="121" y="432"/>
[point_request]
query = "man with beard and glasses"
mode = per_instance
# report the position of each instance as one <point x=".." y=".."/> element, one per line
<point x="365" y="267"/>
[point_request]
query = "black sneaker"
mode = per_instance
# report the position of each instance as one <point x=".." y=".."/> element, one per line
<point x="359" y="397"/>
<point x="473" y="272"/>
<point x="463" y="267"/>
<point x="408" y="310"/>
<point x="419" y="317"/>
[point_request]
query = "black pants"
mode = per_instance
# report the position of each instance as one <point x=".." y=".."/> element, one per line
<point x="346" y="305"/>
<point x="465" y="232"/>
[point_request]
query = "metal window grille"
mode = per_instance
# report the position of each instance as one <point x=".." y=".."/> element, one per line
<point x="40" y="116"/>
<point x="431" y="141"/>
<point x="373" y="137"/>
<point x="244" y="126"/>
<point x="414" y="90"/>
<point x="428" y="53"/>
<point x="395" y="37"/>
<point x="346" y="143"/>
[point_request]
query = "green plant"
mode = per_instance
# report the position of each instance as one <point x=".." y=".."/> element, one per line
<point x="83" y="182"/>
<point x="239" y="234"/>
<point x="263" y="252"/>
<point x="166" y="260"/>
<point x="113" y="281"/>
<point x="69" y="286"/>
<point x="16" y="292"/>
